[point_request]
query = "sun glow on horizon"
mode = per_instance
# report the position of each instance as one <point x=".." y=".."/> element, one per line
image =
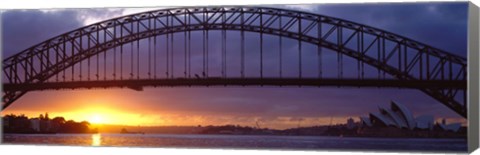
<point x="102" y="107"/>
<point x="106" y="115"/>
<point x="96" y="116"/>
<point x="96" y="119"/>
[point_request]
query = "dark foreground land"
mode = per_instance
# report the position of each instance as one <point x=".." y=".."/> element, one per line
<point x="44" y="125"/>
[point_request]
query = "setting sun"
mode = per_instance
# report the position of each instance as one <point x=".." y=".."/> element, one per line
<point x="96" y="119"/>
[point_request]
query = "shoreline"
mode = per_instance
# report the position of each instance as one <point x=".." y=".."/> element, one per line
<point x="279" y="135"/>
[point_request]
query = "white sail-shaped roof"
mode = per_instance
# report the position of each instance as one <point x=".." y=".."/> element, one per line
<point x="399" y="116"/>
<point x="394" y="117"/>
<point x="382" y="118"/>
<point x="406" y="114"/>
<point x="366" y="121"/>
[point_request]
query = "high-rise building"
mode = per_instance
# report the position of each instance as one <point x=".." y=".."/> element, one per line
<point x="35" y="124"/>
<point x="350" y="123"/>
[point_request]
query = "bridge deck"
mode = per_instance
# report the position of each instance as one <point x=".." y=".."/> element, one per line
<point x="138" y="84"/>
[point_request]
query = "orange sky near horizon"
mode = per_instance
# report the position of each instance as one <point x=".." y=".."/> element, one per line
<point x="98" y="116"/>
<point x="130" y="119"/>
<point x="95" y="106"/>
<point x="124" y="107"/>
<point x="114" y="108"/>
<point x="102" y="116"/>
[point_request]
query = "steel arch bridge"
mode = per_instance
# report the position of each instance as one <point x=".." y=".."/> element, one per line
<point x="398" y="61"/>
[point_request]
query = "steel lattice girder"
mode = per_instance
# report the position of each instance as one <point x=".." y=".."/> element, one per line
<point x="35" y="65"/>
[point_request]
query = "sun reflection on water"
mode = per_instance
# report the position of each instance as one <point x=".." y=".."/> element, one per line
<point x="96" y="140"/>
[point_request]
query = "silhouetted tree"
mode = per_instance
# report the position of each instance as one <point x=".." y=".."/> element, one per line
<point x="59" y="120"/>
<point x="46" y="116"/>
<point x="22" y="124"/>
<point x="57" y="123"/>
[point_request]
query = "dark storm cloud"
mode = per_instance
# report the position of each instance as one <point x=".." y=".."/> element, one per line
<point x="442" y="25"/>
<point x="25" y="28"/>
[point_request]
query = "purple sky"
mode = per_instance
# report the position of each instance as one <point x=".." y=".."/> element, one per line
<point x="442" y="25"/>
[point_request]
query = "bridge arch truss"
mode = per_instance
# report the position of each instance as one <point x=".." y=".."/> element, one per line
<point x="412" y="64"/>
